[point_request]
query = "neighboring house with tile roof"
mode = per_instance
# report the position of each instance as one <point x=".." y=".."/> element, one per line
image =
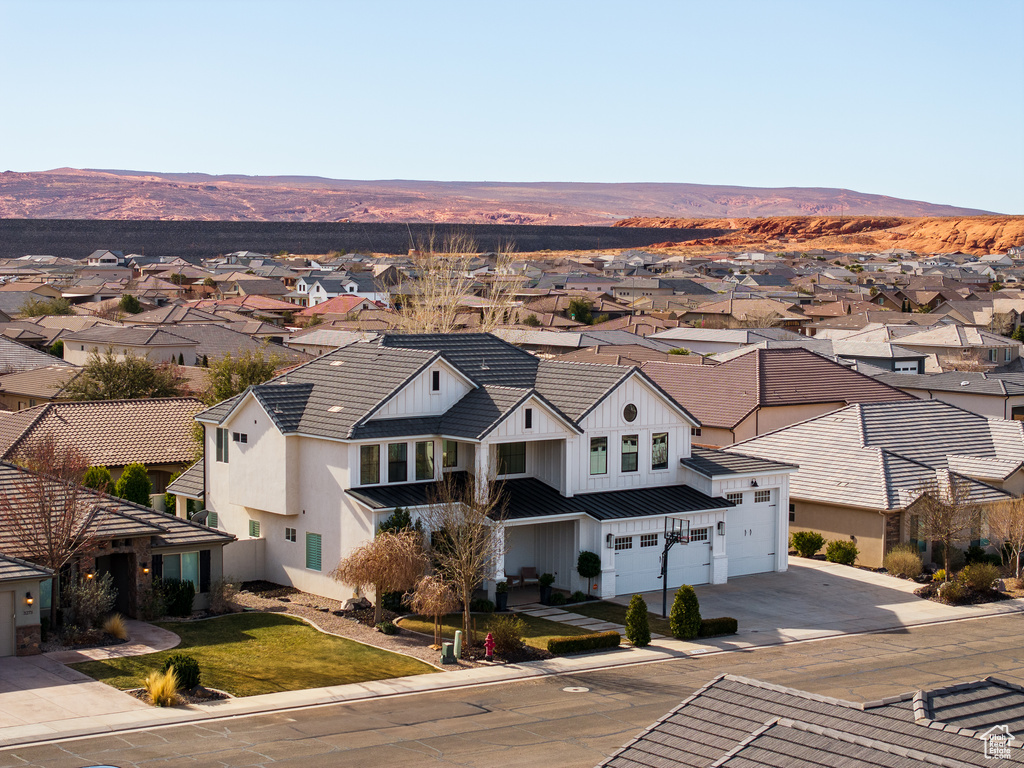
<point x="155" y="344"/>
<point x="113" y="433"/>
<point x="711" y="341"/>
<point x="761" y="390"/>
<point x="20" y="583"/>
<point x="36" y="387"/>
<point x="863" y="467"/>
<point x="132" y="543"/>
<point x="16" y="357"/>
<point x="589" y="457"/>
<point x="737" y="722"/>
<point x="994" y="395"/>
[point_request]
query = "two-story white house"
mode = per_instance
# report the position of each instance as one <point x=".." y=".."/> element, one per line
<point x="303" y="469"/>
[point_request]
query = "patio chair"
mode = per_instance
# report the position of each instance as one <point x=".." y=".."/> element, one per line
<point x="528" y="574"/>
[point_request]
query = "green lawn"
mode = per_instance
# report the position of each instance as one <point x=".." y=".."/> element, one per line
<point x="599" y="609"/>
<point x="252" y="653"/>
<point x="538" y="631"/>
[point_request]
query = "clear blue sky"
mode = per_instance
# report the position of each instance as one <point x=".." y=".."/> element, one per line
<point x="922" y="100"/>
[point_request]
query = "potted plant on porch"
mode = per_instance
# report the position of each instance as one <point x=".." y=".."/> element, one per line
<point x="545" y="581"/>
<point x="501" y="596"/>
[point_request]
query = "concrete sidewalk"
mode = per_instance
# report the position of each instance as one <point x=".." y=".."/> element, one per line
<point x="772" y="609"/>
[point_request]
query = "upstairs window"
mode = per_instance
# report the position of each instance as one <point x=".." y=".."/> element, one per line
<point x="659" y="450"/>
<point x="511" y="458"/>
<point x="449" y="454"/>
<point x="599" y="455"/>
<point x="222" y="445"/>
<point x="630" y="453"/>
<point x="398" y="462"/>
<point x="240" y="437"/>
<point x="290" y="535"/>
<point x="694" y="431"/>
<point x="528" y="418"/>
<point x="435" y="381"/>
<point x="425" y="460"/>
<point x="369" y="464"/>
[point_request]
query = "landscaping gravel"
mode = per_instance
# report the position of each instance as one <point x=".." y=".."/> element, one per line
<point x="320" y="611"/>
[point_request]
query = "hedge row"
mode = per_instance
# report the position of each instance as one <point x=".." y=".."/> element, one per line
<point x="724" y="625"/>
<point x="580" y="643"/>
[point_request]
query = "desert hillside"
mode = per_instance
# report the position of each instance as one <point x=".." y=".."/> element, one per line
<point x="69" y="193"/>
<point x="945" y="234"/>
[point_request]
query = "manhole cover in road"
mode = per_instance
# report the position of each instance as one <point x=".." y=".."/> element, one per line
<point x="575" y="689"/>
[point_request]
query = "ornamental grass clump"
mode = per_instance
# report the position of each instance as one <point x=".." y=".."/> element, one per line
<point x="903" y="561"/>
<point x="162" y="688"/>
<point x="115" y="627"/>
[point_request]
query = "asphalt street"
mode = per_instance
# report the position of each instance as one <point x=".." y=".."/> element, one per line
<point x="572" y="720"/>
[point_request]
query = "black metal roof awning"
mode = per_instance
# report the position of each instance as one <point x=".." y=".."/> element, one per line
<point x="530" y="498"/>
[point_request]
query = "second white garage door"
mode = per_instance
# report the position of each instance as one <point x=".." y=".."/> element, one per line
<point x="750" y="534"/>
<point x="638" y="562"/>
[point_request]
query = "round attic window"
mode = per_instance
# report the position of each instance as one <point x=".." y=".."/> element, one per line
<point x="629" y="412"/>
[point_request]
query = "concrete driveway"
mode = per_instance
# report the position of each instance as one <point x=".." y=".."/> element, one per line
<point x="818" y="599"/>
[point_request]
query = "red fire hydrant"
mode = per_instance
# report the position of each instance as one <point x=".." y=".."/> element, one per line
<point x="489" y="647"/>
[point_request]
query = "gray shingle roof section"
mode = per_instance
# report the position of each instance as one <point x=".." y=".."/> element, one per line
<point x="15" y="357"/>
<point x="482" y="408"/>
<point x="723" y="724"/>
<point x="997" y="384"/>
<point x="530" y="498"/>
<point x="285" y="403"/>
<point x="139" y="335"/>
<point x="16" y="569"/>
<point x="881" y="455"/>
<point x="977" y="706"/>
<point x="714" y="463"/>
<point x="575" y="388"/>
<point x="484" y="358"/>
<point x="191" y="483"/>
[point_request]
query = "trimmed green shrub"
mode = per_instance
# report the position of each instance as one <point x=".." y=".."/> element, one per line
<point x="178" y="596"/>
<point x="953" y="592"/>
<point x="546" y="579"/>
<point x="807" y="543"/>
<point x="577" y="597"/>
<point x="583" y="643"/>
<point x="684" y="618"/>
<point x="481" y="605"/>
<point x="724" y="625"/>
<point x="842" y="552"/>
<point x="507" y="632"/>
<point x="979" y="576"/>
<point x="903" y="561"/>
<point x="388" y="628"/>
<point x="186" y="669"/>
<point x="98" y="478"/>
<point x="588" y="565"/>
<point x="557" y="598"/>
<point x="134" y="485"/>
<point x="638" y="626"/>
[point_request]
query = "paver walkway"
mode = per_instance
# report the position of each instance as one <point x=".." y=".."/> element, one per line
<point x="542" y="611"/>
<point x="143" y="638"/>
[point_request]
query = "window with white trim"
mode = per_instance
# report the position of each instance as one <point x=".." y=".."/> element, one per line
<point x="648" y="539"/>
<point x="222" y="445"/>
<point x="240" y="437"/>
<point x="599" y="455"/>
<point x="623" y="542"/>
<point x="290" y="535"/>
<point x="735" y="498"/>
<point x="369" y="464"/>
<point x="659" y="450"/>
<point x="694" y="431"/>
<point x="762" y="497"/>
<point x="630" y="453"/>
<point x="435" y="381"/>
<point x="700" y="534"/>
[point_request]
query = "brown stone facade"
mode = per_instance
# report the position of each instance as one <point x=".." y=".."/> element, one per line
<point x="27" y="640"/>
<point x="130" y="562"/>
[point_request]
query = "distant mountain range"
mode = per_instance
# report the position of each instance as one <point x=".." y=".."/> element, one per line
<point x="68" y="193"/>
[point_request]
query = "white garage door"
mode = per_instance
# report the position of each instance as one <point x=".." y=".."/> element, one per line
<point x="638" y="561"/>
<point x="6" y="623"/>
<point x="750" y="531"/>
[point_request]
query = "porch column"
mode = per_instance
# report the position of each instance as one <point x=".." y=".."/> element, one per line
<point x="498" y="574"/>
<point x="482" y="470"/>
<point x="181" y="507"/>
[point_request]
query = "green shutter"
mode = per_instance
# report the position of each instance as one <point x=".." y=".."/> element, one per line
<point x="254" y="529"/>
<point x="211" y="519"/>
<point x="313" y="551"/>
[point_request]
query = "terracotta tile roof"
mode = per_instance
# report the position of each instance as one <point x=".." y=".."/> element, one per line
<point x="339" y="305"/>
<point x="109" y="432"/>
<point x="723" y="395"/>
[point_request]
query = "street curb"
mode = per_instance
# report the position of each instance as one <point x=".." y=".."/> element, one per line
<point x="407" y="686"/>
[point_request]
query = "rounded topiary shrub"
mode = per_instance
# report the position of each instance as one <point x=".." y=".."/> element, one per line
<point x="684" y="618"/>
<point x="638" y="627"/>
<point x="387" y="628"/>
<point x="588" y="565"/>
<point x="842" y="552"/>
<point x="807" y="543"/>
<point x="186" y="670"/>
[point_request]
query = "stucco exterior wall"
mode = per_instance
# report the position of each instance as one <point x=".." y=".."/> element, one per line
<point x="838" y="522"/>
<point x="78" y="352"/>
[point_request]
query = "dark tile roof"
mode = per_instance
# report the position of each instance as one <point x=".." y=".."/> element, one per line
<point x="529" y="497"/>
<point x="16" y="569"/>
<point x="134" y="336"/>
<point x="16" y="357"/>
<point x="735" y="721"/>
<point x="484" y="358"/>
<point x="215" y="341"/>
<point x="976" y="705"/>
<point x="191" y="483"/>
<point x="713" y="463"/>
<point x="997" y="384"/>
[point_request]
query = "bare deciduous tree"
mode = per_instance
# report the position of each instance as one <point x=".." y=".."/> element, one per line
<point x="392" y="562"/>
<point x="769" y="319"/>
<point x="432" y="298"/>
<point x="46" y="511"/>
<point x="433" y="597"/>
<point x="466" y="521"/>
<point x="946" y="513"/>
<point x="1006" y="529"/>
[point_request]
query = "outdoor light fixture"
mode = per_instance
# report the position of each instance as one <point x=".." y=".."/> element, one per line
<point x="610" y="540"/>
<point x="88" y="575"/>
<point x="721" y="527"/>
<point x="145" y="569"/>
<point x="29" y="599"/>
<point x="753" y="483"/>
